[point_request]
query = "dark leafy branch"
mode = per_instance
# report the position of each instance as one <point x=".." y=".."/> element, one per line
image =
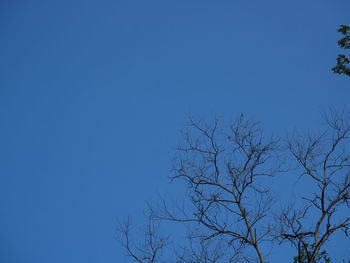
<point x="343" y="62"/>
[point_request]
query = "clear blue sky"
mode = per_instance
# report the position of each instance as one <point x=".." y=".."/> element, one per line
<point x="93" y="94"/>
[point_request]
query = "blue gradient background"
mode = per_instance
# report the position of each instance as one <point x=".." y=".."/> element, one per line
<point x="93" y="94"/>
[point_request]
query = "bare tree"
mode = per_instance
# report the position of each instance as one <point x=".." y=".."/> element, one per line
<point x="324" y="163"/>
<point x="230" y="206"/>
<point x="225" y="169"/>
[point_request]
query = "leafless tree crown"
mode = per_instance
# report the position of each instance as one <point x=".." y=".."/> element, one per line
<point x="325" y="161"/>
<point x="228" y="214"/>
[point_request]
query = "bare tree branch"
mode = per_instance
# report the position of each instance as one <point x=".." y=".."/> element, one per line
<point x="325" y="160"/>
